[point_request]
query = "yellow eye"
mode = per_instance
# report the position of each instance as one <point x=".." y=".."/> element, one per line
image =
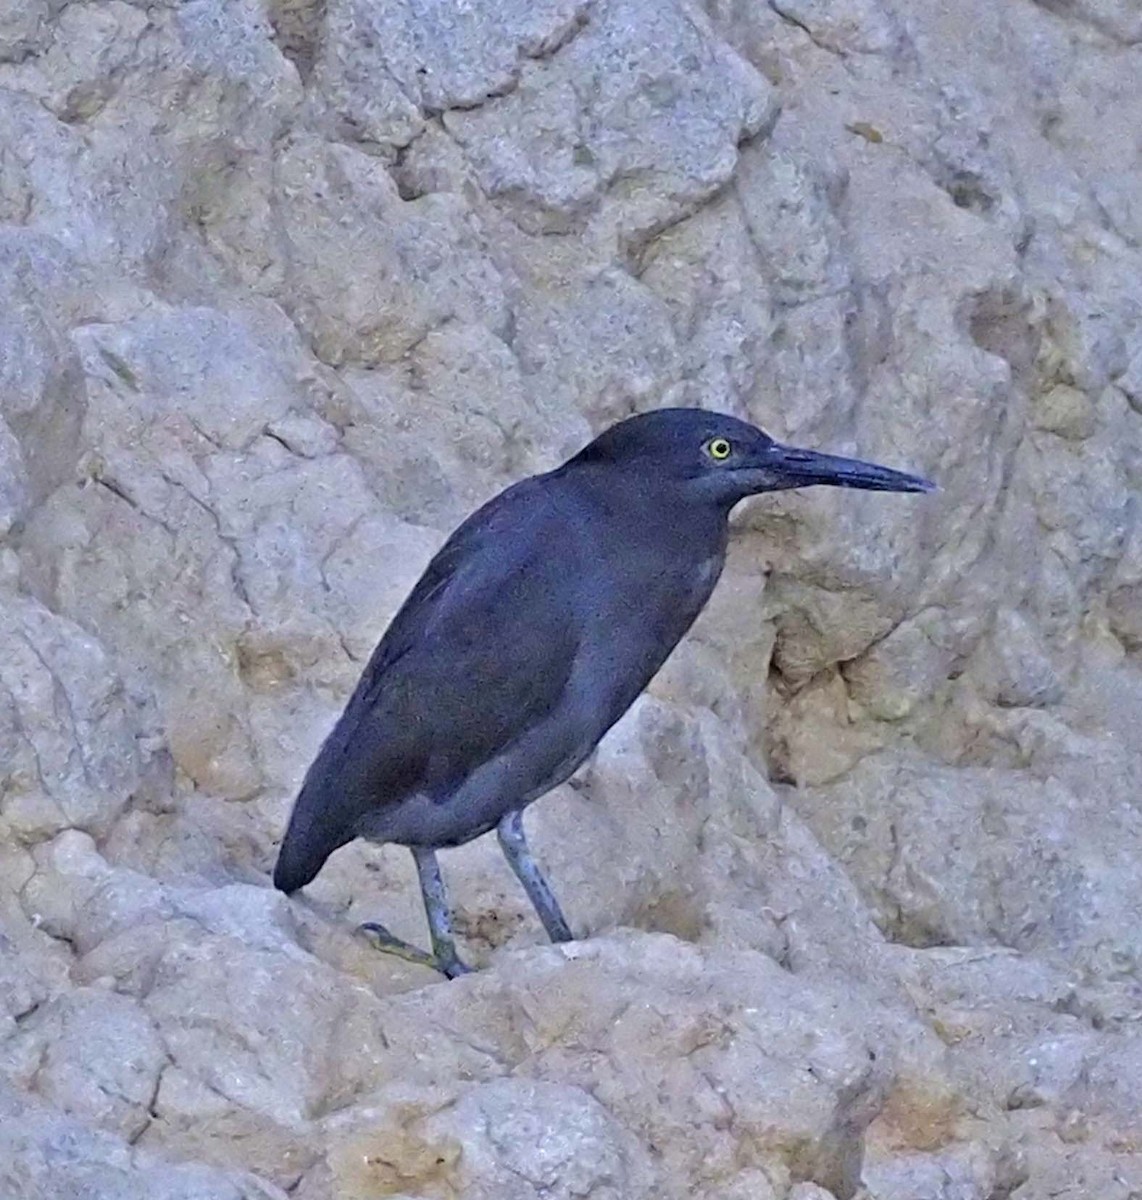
<point x="719" y="449"/>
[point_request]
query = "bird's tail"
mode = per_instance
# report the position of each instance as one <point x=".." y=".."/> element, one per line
<point x="312" y="835"/>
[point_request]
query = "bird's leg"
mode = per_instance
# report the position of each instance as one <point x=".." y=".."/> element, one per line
<point x="439" y="915"/>
<point x="443" y="957"/>
<point x="514" y="844"/>
<point x="389" y="943"/>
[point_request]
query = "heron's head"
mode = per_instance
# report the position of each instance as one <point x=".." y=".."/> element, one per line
<point x="722" y="460"/>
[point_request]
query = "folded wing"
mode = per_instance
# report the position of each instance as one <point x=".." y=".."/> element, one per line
<point x="477" y="656"/>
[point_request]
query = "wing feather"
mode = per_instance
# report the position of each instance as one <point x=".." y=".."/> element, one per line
<point x="477" y="655"/>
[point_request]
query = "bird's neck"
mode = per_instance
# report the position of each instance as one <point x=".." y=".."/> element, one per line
<point x="649" y="512"/>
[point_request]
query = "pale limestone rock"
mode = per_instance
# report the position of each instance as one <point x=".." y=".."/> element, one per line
<point x="240" y="1040"/>
<point x="432" y="56"/>
<point x="42" y="386"/>
<point x="369" y="274"/>
<point x="1124" y="603"/>
<point x="512" y="1138"/>
<point x="432" y="460"/>
<point x="47" y="1154"/>
<point x="217" y="369"/>
<point x="33" y="965"/>
<point x="967" y="1172"/>
<point x="808" y="1191"/>
<point x="643" y="1006"/>
<point x="129" y="161"/>
<point x="790" y="211"/>
<point x="641" y="95"/>
<point x="13" y="480"/>
<point x="902" y="669"/>
<point x="616" y="352"/>
<point x="1062" y="1160"/>
<point x="70" y="871"/>
<point x="23" y="27"/>
<point x="99" y="1058"/>
<point x="1016" y="669"/>
<point x="853" y="27"/>
<point x="805" y="1096"/>
<point x="1116" y="18"/>
<point x="755" y="1184"/>
<point x="71" y="755"/>
<point x="1066" y="411"/>
<point x="706" y="272"/>
<point x="1130" y="381"/>
<point x="971" y="855"/>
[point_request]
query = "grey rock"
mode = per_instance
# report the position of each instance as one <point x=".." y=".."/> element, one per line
<point x="23" y="27"/>
<point x="49" y="1156"/>
<point x="368" y="274"/>
<point x="629" y="998"/>
<point x="435" y="56"/>
<point x="99" y="1057"/>
<point x="964" y="1173"/>
<point x="71" y="755"/>
<point x="974" y="855"/>
<point x="854" y="27"/>
<point x="1020" y="669"/>
<point x="642" y="95"/>
<point x="510" y="1138"/>
<point x="44" y="399"/>
<point x="1112" y="17"/>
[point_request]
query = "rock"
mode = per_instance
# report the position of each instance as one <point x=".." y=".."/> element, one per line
<point x="505" y="427"/>
<point x="44" y="399"/>
<point x="856" y="27"/>
<point x="437" y="56"/>
<point x="1111" y="17"/>
<point x="902" y="669"/>
<point x="119" y="76"/>
<point x="1066" y="411"/>
<point x="23" y="28"/>
<point x="1124" y="603"/>
<point x="1017" y="861"/>
<point x="614" y="352"/>
<point x="72" y="755"/>
<point x="509" y="1138"/>
<point x="969" y="1173"/>
<point x="667" y="105"/>
<point x="822" y="1081"/>
<point x="99" y="1057"/>
<point x="1018" y="671"/>
<point x="48" y="1154"/>
<point x="398" y="268"/>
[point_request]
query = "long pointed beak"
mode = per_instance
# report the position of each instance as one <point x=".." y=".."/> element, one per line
<point x="792" y="467"/>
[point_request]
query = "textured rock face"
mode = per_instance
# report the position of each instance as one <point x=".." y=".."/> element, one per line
<point x="286" y="288"/>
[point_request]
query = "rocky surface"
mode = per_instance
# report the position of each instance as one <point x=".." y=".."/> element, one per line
<point x="286" y="288"/>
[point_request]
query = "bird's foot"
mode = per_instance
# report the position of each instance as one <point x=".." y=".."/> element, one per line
<point x="448" y="965"/>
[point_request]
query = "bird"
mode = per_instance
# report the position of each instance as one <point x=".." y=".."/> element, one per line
<point x="533" y="629"/>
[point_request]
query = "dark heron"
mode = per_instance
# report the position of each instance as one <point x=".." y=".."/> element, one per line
<point x="531" y="632"/>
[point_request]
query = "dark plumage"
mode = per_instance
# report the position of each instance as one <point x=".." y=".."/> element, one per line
<point x="531" y="632"/>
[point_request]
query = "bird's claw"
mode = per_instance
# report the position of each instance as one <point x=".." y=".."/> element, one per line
<point x="449" y="966"/>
